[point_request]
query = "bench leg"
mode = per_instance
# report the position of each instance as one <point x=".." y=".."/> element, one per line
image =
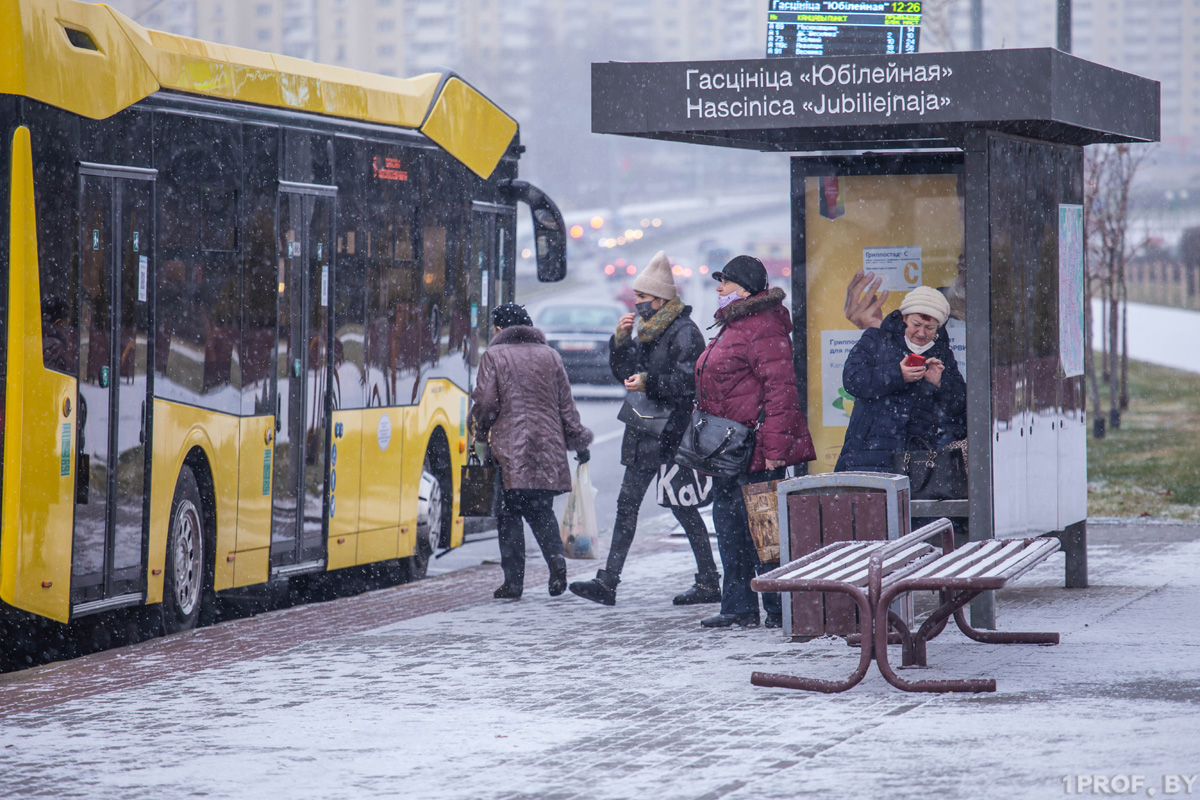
<point x="881" y="655"/>
<point x="830" y="687"/>
<point x="1002" y="637"/>
<point x="1074" y="545"/>
<point x="903" y="637"/>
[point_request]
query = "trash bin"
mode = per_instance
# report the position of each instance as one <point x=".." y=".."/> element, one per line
<point x="818" y="510"/>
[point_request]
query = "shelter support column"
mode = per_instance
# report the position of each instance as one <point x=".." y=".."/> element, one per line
<point x="977" y="252"/>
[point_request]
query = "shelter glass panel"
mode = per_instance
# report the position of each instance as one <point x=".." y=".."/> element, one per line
<point x="900" y="219"/>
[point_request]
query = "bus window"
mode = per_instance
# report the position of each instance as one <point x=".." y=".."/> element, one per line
<point x="55" y="191"/>
<point x="394" y="315"/>
<point x="199" y="286"/>
<point x="307" y="157"/>
<point x="349" y="330"/>
<point x="260" y="282"/>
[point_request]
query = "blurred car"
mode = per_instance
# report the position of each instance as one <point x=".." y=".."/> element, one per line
<point x="580" y="333"/>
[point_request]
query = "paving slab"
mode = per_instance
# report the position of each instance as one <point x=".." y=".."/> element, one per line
<point x="434" y="690"/>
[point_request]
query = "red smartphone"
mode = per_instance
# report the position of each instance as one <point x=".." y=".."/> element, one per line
<point x="914" y="360"/>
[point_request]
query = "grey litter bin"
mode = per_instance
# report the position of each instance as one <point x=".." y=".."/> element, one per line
<point x="818" y="510"/>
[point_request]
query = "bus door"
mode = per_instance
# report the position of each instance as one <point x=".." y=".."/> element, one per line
<point x="115" y="248"/>
<point x="302" y="378"/>
<point x="493" y="251"/>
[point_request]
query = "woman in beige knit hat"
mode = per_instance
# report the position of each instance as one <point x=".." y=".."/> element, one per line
<point x="905" y="382"/>
<point x="659" y="360"/>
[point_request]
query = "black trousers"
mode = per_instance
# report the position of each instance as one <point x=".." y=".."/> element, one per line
<point x="739" y="556"/>
<point x="535" y="506"/>
<point x="633" y="488"/>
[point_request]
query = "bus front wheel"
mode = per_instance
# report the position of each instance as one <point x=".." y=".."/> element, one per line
<point x="183" y="585"/>
<point x="433" y="514"/>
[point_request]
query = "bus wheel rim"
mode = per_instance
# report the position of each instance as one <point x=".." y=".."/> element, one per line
<point x="433" y="509"/>
<point x="187" y="559"/>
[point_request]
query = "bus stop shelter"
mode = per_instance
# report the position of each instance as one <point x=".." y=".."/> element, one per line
<point x="962" y="171"/>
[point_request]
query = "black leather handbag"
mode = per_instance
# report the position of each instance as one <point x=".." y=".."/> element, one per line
<point x="477" y="489"/>
<point x="716" y="446"/>
<point x="933" y="473"/>
<point x="644" y="414"/>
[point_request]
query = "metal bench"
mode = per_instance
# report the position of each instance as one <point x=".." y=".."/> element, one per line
<point x="959" y="576"/>
<point x="876" y="573"/>
<point x="847" y="568"/>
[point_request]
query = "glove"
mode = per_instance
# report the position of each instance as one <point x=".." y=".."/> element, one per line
<point x="583" y="456"/>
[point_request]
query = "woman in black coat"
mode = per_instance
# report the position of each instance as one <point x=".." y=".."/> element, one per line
<point x="660" y="360"/>
<point x="894" y="402"/>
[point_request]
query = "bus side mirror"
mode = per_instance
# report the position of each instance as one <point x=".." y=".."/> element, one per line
<point x="549" y="231"/>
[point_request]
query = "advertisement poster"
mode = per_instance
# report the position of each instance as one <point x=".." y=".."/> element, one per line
<point x="905" y="229"/>
<point x="899" y="267"/>
<point x="836" y="402"/>
<point x="1070" y="289"/>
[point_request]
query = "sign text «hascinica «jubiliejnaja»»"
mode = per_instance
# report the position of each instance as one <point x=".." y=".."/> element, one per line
<point x="740" y="80"/>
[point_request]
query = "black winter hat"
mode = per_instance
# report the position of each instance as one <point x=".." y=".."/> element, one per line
<point x="746" y="271"/>
<point x="510" y="314"/>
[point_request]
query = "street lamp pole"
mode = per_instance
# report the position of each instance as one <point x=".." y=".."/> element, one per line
<point x="1064" y="25"/>
<point x="976" y="24"/>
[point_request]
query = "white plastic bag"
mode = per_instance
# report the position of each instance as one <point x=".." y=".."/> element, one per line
<point x="580" y="535"/>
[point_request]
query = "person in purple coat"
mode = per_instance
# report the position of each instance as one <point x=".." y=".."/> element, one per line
<point x="747" y="374"/>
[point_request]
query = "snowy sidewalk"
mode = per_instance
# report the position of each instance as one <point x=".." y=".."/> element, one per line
<point x="559" y="698"/>
<point x="1159" y="335"/>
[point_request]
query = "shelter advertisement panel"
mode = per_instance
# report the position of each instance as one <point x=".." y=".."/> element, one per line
<point x="900" y="220"/>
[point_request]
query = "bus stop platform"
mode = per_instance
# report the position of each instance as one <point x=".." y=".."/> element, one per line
<point x="435" y="690"/>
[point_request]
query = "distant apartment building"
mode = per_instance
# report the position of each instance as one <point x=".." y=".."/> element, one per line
<point x="1159" y="39"/>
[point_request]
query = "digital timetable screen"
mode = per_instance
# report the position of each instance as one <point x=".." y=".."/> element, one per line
<point x="842" y="28"/>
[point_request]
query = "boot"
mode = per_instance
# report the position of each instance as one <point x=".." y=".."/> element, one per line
<point x="747" y="620"/>
<point x="558" y="575"/>
<point x="508" y="591"/>
<point x="707" y="589"/>
<point x="601" y="589"/>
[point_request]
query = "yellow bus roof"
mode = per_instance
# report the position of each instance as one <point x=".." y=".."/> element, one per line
<point x="94" y="61"/>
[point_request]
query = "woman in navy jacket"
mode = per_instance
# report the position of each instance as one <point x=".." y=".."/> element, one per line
<point x="893" y="402"/>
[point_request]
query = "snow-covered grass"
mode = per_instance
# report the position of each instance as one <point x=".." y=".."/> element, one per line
<point x="1150" y="466"/>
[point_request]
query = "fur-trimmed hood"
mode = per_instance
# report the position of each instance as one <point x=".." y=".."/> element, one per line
<point x="649" y="330"/>
<point x="754" y="304"/>
<point x="518" y="334"/>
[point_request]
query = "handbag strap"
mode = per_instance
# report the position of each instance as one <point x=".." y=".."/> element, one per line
<point x="696" y="433"/>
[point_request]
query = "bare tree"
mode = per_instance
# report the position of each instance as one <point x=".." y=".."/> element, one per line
<point x="1109" y="171"/>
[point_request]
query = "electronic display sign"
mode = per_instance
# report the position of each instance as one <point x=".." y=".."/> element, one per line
<point x="842" y="28"/>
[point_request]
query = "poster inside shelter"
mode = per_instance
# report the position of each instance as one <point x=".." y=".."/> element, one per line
<point x="1070" y="289"/>
<point x="906" y="229"/>
<point x="899" y="267"/>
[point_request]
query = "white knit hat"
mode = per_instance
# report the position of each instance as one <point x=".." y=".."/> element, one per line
<point x="923" y="300"/>
<point x="656" y="279"/>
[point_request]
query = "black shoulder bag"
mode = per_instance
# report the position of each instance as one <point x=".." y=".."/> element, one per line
<point x="716" y="446"/>
<point x="933" y="473"/>
<point x="644" y="414"/>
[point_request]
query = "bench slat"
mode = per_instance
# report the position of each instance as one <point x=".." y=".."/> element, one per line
<point x="1029" y="557"/>
<point x="836" y="556"/>
<point x="983" y="561"/>
<point x="997" y="559"/>
<point x="898" y="559"/>
<point x="951" y="563"/>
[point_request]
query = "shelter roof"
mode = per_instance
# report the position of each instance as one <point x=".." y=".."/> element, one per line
<point x="875" y="102"/>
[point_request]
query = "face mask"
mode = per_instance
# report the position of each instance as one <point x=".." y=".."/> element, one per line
<point x="919" y="348"/>
<point x="645" y="310"/>
<point x="725" y="299"/>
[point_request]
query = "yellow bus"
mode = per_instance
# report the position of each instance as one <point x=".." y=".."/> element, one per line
<point x="243" y="299"/>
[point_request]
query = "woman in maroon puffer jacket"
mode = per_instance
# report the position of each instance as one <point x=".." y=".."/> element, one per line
<point x="747" y="374"/>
